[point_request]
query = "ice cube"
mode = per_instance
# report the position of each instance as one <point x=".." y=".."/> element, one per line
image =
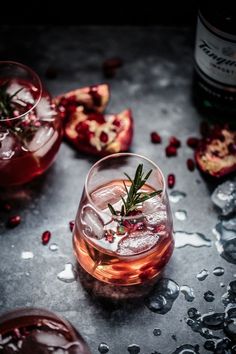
<point x="44" y="110"/>
<point x="155" y="211"/>
<point x="224" y="196"/>
<point x="104" y="195"/>
<point x="9" y="145"/>
<point x="23" y="96"/>
<point x="92" y="222"/>
<point x="43" y="140"/>
<point x="136" y="243"/>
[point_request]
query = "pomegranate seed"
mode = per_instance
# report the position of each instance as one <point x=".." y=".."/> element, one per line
<point x="7" y="207"/>
<point x="110" y="66"/>
<point x="171" y="151"/>
<point x="109" y="237"/>
<point x="155" y="138"/>
<point x="190" y="164"/>
<point x="192" y="142"/>
<point x="13" y="221"/>
<point x="46" y="235"/>
<point x="171" y="180"/>
<point x="71" y="225"/>
<point x="173" y="141"/>
<point x="104" y="137"/>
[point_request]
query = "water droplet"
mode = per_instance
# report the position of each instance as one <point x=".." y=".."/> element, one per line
<point x="202" y="275"/>
<point x="209" y="296"/>
<point x="103" y="348"/>
<point x="194" y="239"/>
<point x="27" y="255"/>
<point x="181" y="215"/>
<point x="225" y="232"/>
<point x="213" y="320"/>
<point x="218" y="271"/>
<point x="157" y="332"/>
<point x="230" y="296"/>
<point x="187" y="349"/>
<point x="188" y="293"/>
<point x="230" y="321"/>
<point x="173" y="336"/>
<point x="53" y="247"/>
<point x="220" y="346"/>
<point x="176" y="196"/>
<point x="27" y="274"/>
<point x="222" y="285"/>
<point x="69" y="274"/>
<point x="133" y="349"/>
<point x="193" y="313"/>
<point x="162" y="297"/>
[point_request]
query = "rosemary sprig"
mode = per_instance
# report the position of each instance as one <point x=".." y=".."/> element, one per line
<point x="6" y="107"/>
<point x="135" y="197"/>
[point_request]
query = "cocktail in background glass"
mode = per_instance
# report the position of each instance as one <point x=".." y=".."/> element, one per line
<point x="37" y="331"/>
<point x="30" y="128"/>
<point x="123" y="234"/>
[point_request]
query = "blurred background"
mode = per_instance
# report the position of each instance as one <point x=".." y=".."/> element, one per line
<point x="167" y="13"/>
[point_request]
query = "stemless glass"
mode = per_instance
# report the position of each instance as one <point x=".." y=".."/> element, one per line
<point x="33" y="330"/>
<point x="123" y="250"/>
<point x="30" y="128"/>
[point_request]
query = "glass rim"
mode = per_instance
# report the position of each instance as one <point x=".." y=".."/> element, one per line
<point x="123" y="154"/>
<point x="35" y="75"/>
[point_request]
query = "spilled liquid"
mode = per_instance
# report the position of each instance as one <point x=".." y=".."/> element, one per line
<point x="27" y="255"/>
<point x="68" y="275"/>
<point x="230" y="296"/>
<point x="194" y="239"/>
<point x="187" y="349"/>
<point x="202" y="275"/>
<point x="163" y="296"/>
<point x="219" y="346"/>
<point x="209" y="296"/>
<point x="103" y="348"/>
<point x="218" y="271"/>
<point x="157" y="332"/>
<point x="188" y="293"/>
<point x="181" y="215"/>
<point x="176" y="196"/>
<point x="133" y="349"/>
<point x="225" y="232"/>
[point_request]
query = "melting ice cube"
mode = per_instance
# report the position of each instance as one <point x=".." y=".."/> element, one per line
<point x="224" y="196"/>
<point x="92" y="222"/>
<point x="104" y="195"/>
<point x="136" y="243"/>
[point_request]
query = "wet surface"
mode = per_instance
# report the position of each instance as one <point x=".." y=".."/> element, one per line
<point x="155" y="82"/>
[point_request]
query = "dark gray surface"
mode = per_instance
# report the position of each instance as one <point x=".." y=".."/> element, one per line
<point x="156" y="83"/>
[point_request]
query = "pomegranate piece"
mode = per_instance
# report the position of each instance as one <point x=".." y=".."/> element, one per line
<point x="91" y="99"/>
<point x="111" y="65"/>
<point x="71" y="225"/>
<point x="155" y="138"/>
<point x="216" y="153"/>
<point x="193" y="142"/>
<point x="99" y="134"/>
<point x="171" y="180"/>
<point x="46" y="235"/>
<point x="190" y="164"/>
<point x="173" y="141"/>
<point x="14" y="221"/>
<point x="171" y="151"/>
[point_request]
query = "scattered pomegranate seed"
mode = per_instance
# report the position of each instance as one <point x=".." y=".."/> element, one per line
<point x="71" y="225"/>
<point x="171" y="180"/>
<point x="190" y="164"/>
<point x="13" y="221"/>
<point x="192" y="142"/>
<point x="171" y="151"/>
<point x="110" y="66"/>
<point x="173" y="141"/>
<point x="155" y="138"/>
<point x="46" y="235"/>
<point x="7" y="207"/>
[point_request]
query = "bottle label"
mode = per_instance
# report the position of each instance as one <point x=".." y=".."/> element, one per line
<point x="215" y="55"/>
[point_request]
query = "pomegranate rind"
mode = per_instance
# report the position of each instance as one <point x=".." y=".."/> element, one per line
<point x="213" y="156"/>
